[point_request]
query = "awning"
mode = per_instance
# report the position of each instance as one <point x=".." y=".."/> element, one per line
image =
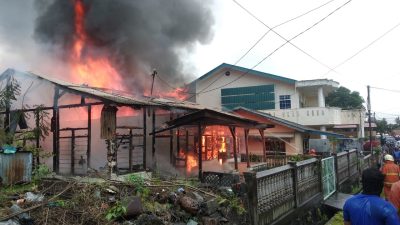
<point x="209" y="117"/>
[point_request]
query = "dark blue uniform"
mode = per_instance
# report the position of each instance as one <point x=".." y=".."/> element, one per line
<point x="369" y="210"/>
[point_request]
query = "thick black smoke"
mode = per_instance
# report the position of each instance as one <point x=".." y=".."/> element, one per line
<point x="136" y="35"/>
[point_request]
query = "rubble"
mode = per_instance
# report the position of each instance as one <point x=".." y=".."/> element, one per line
<point x="154" y="202"/>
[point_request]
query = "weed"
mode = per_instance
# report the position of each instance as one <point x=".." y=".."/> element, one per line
<point x="297" y="158"/>
<point x="136" y="180"/>
<point x="321" y="216"/>
<point x="337" y="219"/>
<point x="355" y="188"/>
<point x="234" y="202"/>
<point x="40" y="172"/>
<point x="115" y="212"/>
<point x="15" y="189"/>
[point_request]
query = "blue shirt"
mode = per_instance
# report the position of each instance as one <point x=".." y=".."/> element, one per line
<point x="397" y="155"/>
<point x="364" y="209"/>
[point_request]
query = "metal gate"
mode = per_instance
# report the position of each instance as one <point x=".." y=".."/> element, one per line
<point x="328" y="176"/>
<point x="74" y="144"/>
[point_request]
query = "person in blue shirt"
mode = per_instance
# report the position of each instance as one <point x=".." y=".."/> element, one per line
<point x="396" y="155"/>
<point x="368" y="208"/>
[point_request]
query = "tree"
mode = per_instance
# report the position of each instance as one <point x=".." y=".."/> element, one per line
<point x="397" y="121"/>
<point x="345" y="99"/>
<point x="382" y="126"/>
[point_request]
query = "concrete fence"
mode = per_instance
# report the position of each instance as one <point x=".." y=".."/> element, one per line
<point x="278" y="194"/>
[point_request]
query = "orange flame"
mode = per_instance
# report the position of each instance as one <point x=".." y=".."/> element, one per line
<point x="178" y="93"/>
<point x="95" y="71"/>
<point x="223" y="145"/>
<point x="190" y="162"/>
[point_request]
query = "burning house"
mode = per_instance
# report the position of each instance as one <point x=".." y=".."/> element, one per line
<point x="100" y="47"/>
<point x="80" y="118"/>
<point x="94" y="128"/>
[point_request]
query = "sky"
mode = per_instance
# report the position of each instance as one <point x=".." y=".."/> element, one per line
<point x="327" y="37"/>
<point x="341" y="35"/>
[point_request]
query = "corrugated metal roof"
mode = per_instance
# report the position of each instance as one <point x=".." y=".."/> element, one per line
<point x="210" y="117"/>
<point x="96" y="92"/>
<point x="118" y="97"/>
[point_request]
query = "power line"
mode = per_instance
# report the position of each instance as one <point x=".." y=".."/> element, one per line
<point x="385" y="89"/>
<point x="265" y="34"/>
<point x="364" y="48"/>
<point x="287" y="41"/>
<point x="170" y="86"/>
<point x="270" y="54"/>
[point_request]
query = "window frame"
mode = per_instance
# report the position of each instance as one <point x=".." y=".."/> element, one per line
<point x="285" y="102"/>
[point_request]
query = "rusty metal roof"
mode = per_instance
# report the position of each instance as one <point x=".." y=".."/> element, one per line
<point x="119" y="97"/>
<point x="93" y="92"/>
<point x="210" y="117"/>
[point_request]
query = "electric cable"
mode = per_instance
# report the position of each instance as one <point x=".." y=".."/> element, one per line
<point x="270" y="54"/>
<point x="262" y="37"/>
<point x="287" y="41"/>
<point x="364" y="48"/>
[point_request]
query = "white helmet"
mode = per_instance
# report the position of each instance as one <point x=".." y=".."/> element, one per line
<point x="388" y="157"/>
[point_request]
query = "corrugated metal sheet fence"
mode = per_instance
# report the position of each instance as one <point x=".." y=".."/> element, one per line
<point x="15" y="168"/>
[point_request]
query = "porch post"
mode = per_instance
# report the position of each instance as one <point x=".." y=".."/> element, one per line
<point x="246" y="142"/>
<point x="233" y="132"/>
<point x="89" y="135"/>
<point x="171" y="143"/>
<point x="55" y="123"/>
<point x="153" y="138"/>
<point x="263" y="144"/>
<point x="200" y="153"/>
<point x="144" y="138"/>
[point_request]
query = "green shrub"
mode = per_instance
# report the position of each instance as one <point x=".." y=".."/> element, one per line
<point x="136" y="180"/>
<point x="115" y="212"/>
<point x="40" y="172"/>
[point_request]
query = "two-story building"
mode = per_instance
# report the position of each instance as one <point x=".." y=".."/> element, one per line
<point x="228" y="86"/>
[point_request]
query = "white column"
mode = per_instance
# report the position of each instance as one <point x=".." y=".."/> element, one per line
<point x="361" y="127"/>
<point x="323" y="128"/>
<point x="321" y="97"/>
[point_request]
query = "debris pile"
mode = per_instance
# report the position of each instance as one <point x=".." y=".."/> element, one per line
<point x="136" y="201"/>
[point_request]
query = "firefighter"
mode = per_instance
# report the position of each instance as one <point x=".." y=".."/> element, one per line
<point x="312" y="152"/>
<point x="391" y="172"/>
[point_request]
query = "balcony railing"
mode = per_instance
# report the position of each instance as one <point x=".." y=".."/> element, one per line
<point x="318" y="115"/>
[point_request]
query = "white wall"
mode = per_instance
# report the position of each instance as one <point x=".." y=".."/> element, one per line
<point x="212" y="99"/>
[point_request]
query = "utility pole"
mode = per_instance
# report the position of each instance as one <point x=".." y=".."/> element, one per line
<point x="152" y="83"/>
<point x="369" y="119"/>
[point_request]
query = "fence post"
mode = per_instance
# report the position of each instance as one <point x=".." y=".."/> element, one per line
<point x="252" y="196"/>
<point x="358" y="162"/>
<point x="295" y="183"/>
<point x="348" y="163"/>
<point x="336" y="170"/>
<point x="321" y="185"/>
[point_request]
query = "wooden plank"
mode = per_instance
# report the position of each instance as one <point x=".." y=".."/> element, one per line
<point x="73" y="152"/>
<point x="130" y="147"/>
<point x="200" y="151"/>
<point x="246" y="142"/>
<point x="89" y="136"/>
<point x="171" y="142"/>
<point x="144" y="138"/>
